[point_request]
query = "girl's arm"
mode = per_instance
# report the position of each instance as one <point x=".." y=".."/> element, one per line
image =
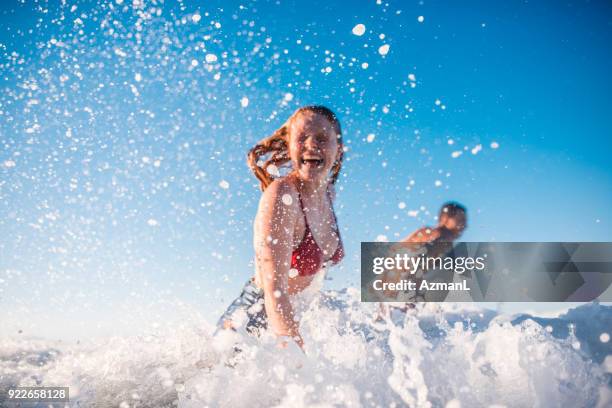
<point x="273" y="240"/>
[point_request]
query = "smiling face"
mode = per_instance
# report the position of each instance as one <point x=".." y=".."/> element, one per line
<point x="313" y="146"/>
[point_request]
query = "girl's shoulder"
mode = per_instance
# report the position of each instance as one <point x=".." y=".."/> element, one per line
<point x="281" y="190"/>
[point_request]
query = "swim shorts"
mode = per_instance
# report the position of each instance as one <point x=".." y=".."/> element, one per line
<point x="250" y="302"/>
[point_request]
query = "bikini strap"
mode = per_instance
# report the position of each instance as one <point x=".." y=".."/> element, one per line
<point x="332" y="210"/>
<point x="302" y="207"/>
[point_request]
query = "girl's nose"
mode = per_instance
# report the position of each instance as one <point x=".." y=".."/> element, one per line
<point x="311" y="143"/>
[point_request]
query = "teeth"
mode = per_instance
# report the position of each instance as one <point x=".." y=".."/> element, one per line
<point x="312" y="161"/>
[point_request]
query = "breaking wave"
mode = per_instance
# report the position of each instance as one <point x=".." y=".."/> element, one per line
<point x="435" y="356"/>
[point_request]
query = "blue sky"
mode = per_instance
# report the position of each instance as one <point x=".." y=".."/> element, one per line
<point x="120" y="124"/>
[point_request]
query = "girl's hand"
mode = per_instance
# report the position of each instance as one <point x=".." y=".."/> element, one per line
<point x="284" y="341"/>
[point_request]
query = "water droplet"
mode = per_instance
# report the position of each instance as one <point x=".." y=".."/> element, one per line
<point x="359" y="30"/>
<point x="287" y="199"/>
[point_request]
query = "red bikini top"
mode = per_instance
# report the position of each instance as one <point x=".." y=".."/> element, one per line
<point x="308" y="257"/>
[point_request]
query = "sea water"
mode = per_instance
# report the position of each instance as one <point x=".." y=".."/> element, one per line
<point x="432" y="356"/>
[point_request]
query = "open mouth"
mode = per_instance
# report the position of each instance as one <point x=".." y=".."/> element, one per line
<point x="312" y="162"/>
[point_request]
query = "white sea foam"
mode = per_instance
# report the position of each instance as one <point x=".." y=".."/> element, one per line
<point x="427" y="358"/>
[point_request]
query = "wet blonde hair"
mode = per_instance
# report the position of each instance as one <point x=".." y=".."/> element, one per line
<point x="277" y="145"/>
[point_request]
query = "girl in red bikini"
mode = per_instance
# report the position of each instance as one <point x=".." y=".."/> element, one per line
<point x="295" y="231"/>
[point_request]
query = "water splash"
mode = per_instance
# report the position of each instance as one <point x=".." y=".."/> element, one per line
<point x="409" y="359"/>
